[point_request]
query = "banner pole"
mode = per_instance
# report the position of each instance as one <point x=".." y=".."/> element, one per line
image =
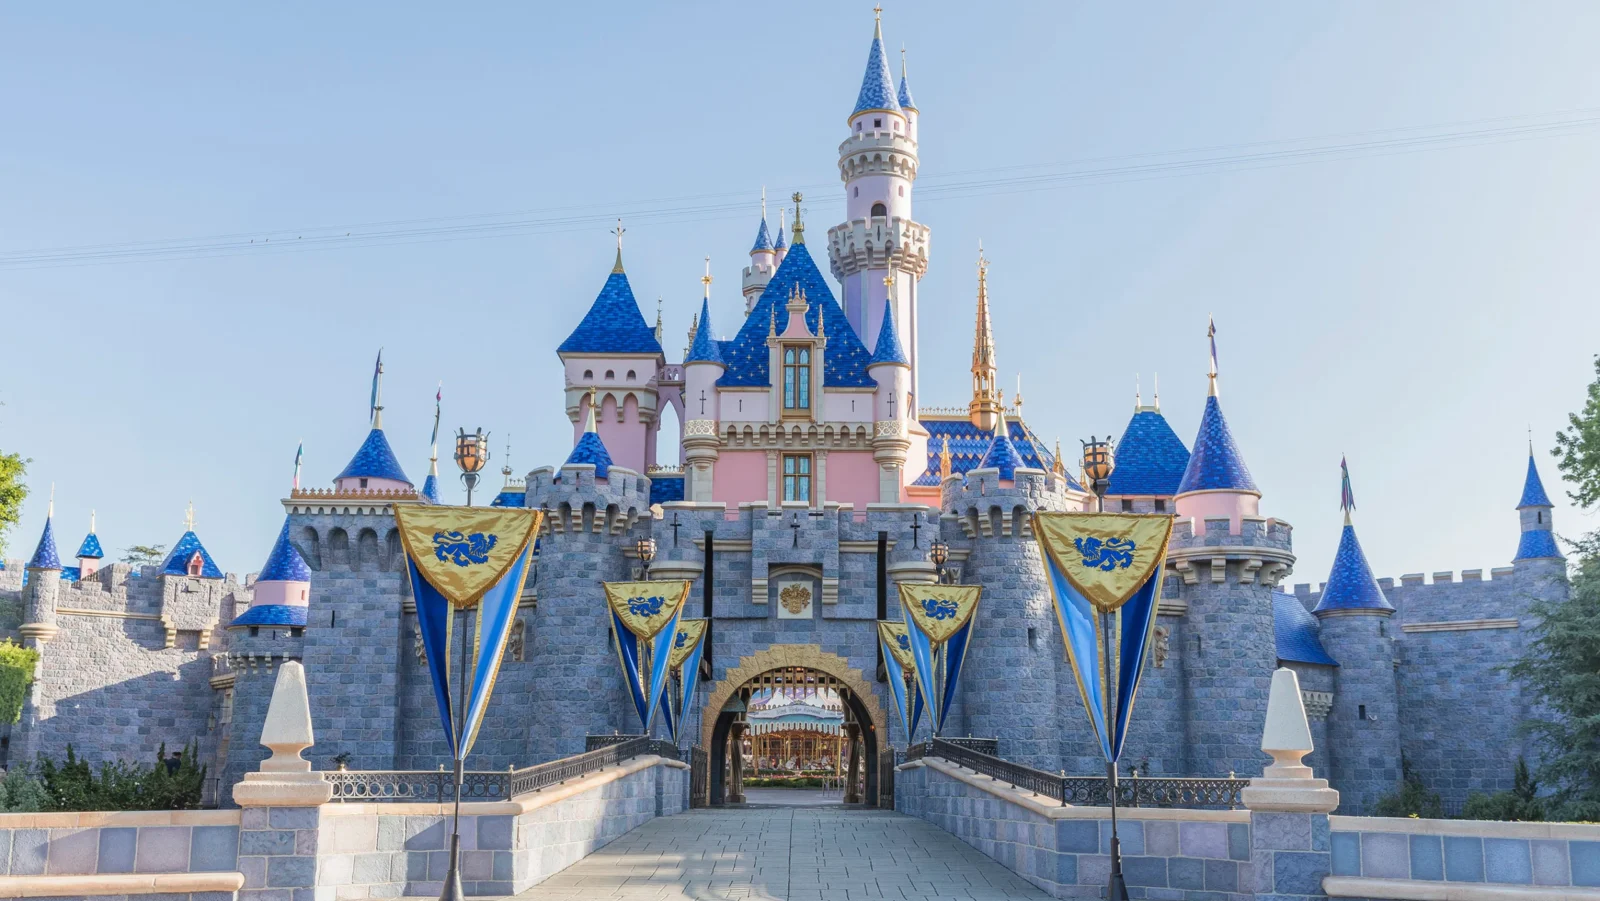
<point x="1118" y="889"/>
<point x="452" y="877"/>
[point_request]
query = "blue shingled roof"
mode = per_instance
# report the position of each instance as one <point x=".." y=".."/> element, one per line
<point x="844" y="361"/>
<point x="271" y="615"/>
<point x="284" y="564"/>
<point x="1215" y="463"/>
<point x="90" y="547"/>
<point x="888" y="349"/>
<point x="905" y="94"/>
<point x="664" y="488"/>
<point x="706" y="348"/>
<point x="45" y="556"/>
<point x="374" y="460"/>
<point x="1350" y="584"/>
<point x="782" y="242"/>
<point x="511" y="497"/>
<point x="1533" y="489"/>
<point x="1001" y="455"/>
<point x="969" y="444"/>
<point x="613" y="324"/>
<point x="590" y="449"/>
<point x="430" y="489"/>
<point x="877" y="86"/>
<point x="1538" y="543"/>
<point x="1150" y="457"/>
<point x="763" y="239"/>
<point x="1298" y="634"/>
<point x="177" y="562"/>
<point x="70" y="574"/>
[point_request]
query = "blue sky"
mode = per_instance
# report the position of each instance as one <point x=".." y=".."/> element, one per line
<point x="1414" y="299"/>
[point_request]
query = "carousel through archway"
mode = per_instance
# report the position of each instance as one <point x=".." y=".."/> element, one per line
<point x="794" y="735"/>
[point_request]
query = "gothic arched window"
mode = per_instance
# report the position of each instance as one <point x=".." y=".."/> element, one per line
<point x="879" y="210"/>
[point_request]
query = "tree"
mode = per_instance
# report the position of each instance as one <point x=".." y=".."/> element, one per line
<point x="1578" y="448"/>
<point x="17" y="666"/>
<point x="1522" y="803"/>
<point x="12" y="493"/>
<point x="141" y="554"/>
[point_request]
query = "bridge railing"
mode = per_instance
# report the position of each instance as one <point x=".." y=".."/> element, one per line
<point x="439" y="785"/>
<point x="1093" y="791"/>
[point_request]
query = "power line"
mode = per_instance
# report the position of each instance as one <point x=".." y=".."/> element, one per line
<point x="935" y="187"/>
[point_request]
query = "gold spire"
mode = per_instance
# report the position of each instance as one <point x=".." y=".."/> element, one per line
<point x="706" y="279"/>
<point x="1059" y="468"/>
<point x="593" y="400"/>
<point x="1018" y="401"/>
<point x="619" y="231"/>
<point x="694" y="326"/>
<point x="799" y="230"/>
<point x="944" y="459"/>
<point x="985" y="410"/>
<point x="877" y="21"/>
<point x="506" y="469"/>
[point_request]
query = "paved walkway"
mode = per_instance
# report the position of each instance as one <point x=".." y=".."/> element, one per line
<point x="792" y="797"/>
<point x="786" y="854"/>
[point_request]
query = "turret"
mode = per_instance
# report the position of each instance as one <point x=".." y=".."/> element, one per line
<point x="780" y="247"/>
<point x="611" y="359"/>
<point x="763" y="261"/>
<point x="879" y="240"/>
<point x="1533" y="510"/>
<point x="189" y="557"/>
<point x="892" y="409"/>
<point x="591" y="450"/>
<point x="282" y="590"/>
<point x="1216" y="483"/>
<point x="702" y="366"/>
<point x="1151" y="461"/>
<point x="374" y="466"/>
<point x="907" y="105"/>
<point x="986" y="409"/>
<point x="1364" y="722"/>
<point x="89" y="553"/>
<point x="44" y="584"/>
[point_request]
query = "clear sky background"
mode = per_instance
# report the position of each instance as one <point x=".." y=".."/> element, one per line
<point x="1406" y="276"/>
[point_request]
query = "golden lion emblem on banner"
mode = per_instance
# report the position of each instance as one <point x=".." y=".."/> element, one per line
<point x="795" y="598"/>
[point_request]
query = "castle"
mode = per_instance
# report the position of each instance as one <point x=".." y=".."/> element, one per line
<point x="809" y="460"/>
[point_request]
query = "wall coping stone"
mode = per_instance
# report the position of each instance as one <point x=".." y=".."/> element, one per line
<point x="91" y="818"/>
<point x="1479" y="828"/>
<point x="1428" y="890"/>
<point x="1050" y="808"/>
<point x="119" y="884"/>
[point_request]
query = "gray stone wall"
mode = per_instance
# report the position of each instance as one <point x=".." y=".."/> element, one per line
<point x="1364" y="724"/>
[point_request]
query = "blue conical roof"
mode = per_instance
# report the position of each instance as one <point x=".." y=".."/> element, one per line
<point x="613" y="324"/>
<point x="90" y="548"/>
<point x="877" y="86"/>
<point x="763" y="240"/>
<point x="1150" y="457"/>
<point x="888" y="349"/>
<point x="1533" y="488"/>
<point x="177" y="562"/>
<point x="590" y="449"/>
<point x="1215" y="464"/>
<point x="284" y="564"/>
<point x="430" y="489"/>
<point x="706" y="348"/>
<point x="1538" y="543"/>
<point x="375" y="460"/>
<point x="782" y="242"/>
<point x="45" y="556"/>
<point x="1002" y="455"/>
<point x="905" y="94"/>
<point x="1350" y="584"/>
<point x="290" y="615"/>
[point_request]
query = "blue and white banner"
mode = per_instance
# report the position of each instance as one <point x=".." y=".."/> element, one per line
<point x="644" y="620"/>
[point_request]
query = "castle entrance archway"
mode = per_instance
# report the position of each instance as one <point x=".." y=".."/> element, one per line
<point x="799" y="710"/>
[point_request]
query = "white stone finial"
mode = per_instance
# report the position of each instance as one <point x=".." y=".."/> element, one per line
<point x="1287" y="784"/>
<point x="285" y="779"/>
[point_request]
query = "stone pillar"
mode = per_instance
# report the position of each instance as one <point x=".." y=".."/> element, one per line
<point x="852" y="733"/>
<point x="736" y="756"/>
<point x="1290" y="846"/>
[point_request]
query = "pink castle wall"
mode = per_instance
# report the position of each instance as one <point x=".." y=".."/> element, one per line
<point x="741" y="477"/>
<point x="853" y="478"/>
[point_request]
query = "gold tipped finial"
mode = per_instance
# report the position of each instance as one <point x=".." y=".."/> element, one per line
<point x="91" y="522"/>
<point x="188" y="518"/>
<point x="763" y="203"/>
<point x="705" y="280"/>
<point x="1018" y="401"/>
<point x="659" y="332"/>
<point x="944" y="459"/>
<point x="772" y="322"/>
<point x="799" y="230"/>
<point x="506" y="469"/>
<point x="619" y="231"/>
<point x="50" y="511"/>
<point x="1058" y="467"/>
<point x="594" y="402"/>
<point x="877" y="21"/>
<point x="986" y="408"/>
<point x="1156" y="398"/>
<point x="1138" y="400"/>
<point x="1211" y="335"/>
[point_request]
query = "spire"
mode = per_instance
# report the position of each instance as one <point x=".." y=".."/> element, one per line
<point x="614" y="323"/>
<point x="1350" y="584"/>
<point x="1156" y="405"/>
<point x="1533" y="494"/>
<point x="780" y="245"/>
<point x="187" y="549"/>
<point x="1138" y="402"/>
<point x="705" y="348"/>
<point x="430" y="485"/>
<point x="905" y="87"/>
<point x="889" y="349"/>
<point x="590" y="449"/>
<point x="45" y="555"/>
<point x="376" y="410"/>
<point x="90" y="548"/>
<point x="589" y="424"/>
<point x="985" y="409"/>
<point x="659" y="331"/>
<point x="188" y="518"/>
<point x="944" y="460"/>
<point x="1538" y="539"/>
<point x="1059" y="467"/>
<point x="1216" y="464"/>
<point x="799" y="227"/>
<point x="1347" y="498"/>
<point x="506" y="470"/>
<point x="877" y="86"/>
<point x="284" y="563"/>
<point x="1211" y="334"/>
<point x="1017" y="401"/>
<point x="619" y="231"/>
<point x="763" y="239"/>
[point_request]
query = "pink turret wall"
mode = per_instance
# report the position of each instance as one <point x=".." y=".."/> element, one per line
<point x="1205" y="505"/>
<point x="293" y="594"/>
<point x="354" y="484"/>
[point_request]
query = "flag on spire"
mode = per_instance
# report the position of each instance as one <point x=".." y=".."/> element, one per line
<point x="299" y="453"/>
<point x="1211" y="333"/>
<point x="377" y="376"/>
<point x="438" y="399"/>
<point x="1347" y="498"/>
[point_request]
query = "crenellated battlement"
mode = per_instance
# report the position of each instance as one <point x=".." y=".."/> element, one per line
<point x="984" y="506"/>
<point x="878" y="243"/>
<point x="575" y="501"/>
<point x="1254" y="531"/>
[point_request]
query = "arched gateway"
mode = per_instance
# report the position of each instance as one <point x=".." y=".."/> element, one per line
<point x="790" y="664"/>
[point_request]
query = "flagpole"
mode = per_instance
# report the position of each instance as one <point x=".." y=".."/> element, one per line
<point x="1097" y="465"/>
<point x="452" y="877"/>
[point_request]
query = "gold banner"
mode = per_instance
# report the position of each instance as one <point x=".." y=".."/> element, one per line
<point x="646" y="607"/>
<point x="894" y="635"/>
<point x="689" y="633"/>
<point x="939" y="610"/>
<point x="463" y="551"/>
<point x="1106" y="556"/>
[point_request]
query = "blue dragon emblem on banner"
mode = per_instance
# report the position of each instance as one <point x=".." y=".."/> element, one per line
<point x="680" y="641"/>
<point x="463" y="550"/>
<point x="939" y="608"/>
<point x="1107" y="555"/>
<point x="904" y="641"/>
<point x="646" y="606"/>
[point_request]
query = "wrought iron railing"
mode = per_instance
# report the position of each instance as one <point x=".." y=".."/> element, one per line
<point x="439" y="785"/>
<point x="1132" y="791"/>
<point x="596" y="742"/>
<point x="699" y="777"/>
<point x="990" y="746"/>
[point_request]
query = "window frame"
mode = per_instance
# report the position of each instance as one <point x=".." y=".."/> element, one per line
<point x="792" y="485"/>
<point x="795" y="380"/>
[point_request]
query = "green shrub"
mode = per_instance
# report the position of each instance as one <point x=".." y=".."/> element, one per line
<point x="1521" y="803"/>
<point x="1412" y="799"/>
<point x="21" y="794"/>
<point x="17" y="665"/>
<point x="120" y="785"/>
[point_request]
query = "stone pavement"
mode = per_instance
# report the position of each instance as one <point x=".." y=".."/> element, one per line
<point x="792" y="797"/>
<point x="786" y="854"/>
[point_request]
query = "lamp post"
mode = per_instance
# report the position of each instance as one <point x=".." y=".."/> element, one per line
<point x="472" y="455"/>
<point x="646" y="548"/>
<point x="939" y="555"/>
<point x="1098" y="462"/>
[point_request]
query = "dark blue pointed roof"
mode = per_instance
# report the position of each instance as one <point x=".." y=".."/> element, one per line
<point x="1536" y="544"/>
<point x="844" y="361"/>
<point x="90" y="547"/>
<point x="272" y="615"/>
<point x="888" y="349"/>
<point x="590" y="449"/>
<point x="905" y="94"/>
<point x="877" y="86"/>
<point x="1298" y="634"/>
<point x="1150" y="457"/>
<point x="1002" y="455"/>
<point x="284" y="564"/>
<point x="430" y="489"/>
<point x="510" y="498"/>
<point x="782" y="242"/>
<point x="1350" y="584"/>
<point x="969" y="445"/>
<point x="69" y="573"/>
<point x="613" y="324"/>
<point x="706" y="348"/>
<point x="1215" y="464"/>
<point x="374" y="460"/>
<point x="45" y="556"/>
<point x="763" y="240"/>
<point x="1533" y="488"/>
<point x="177" y="562"/>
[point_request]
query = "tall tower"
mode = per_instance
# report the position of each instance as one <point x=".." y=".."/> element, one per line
<point x="1533" y="510"/>
<point x="986" y="409"/>
<point x="763" y="261"/>
<point x="879" y="252"/>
